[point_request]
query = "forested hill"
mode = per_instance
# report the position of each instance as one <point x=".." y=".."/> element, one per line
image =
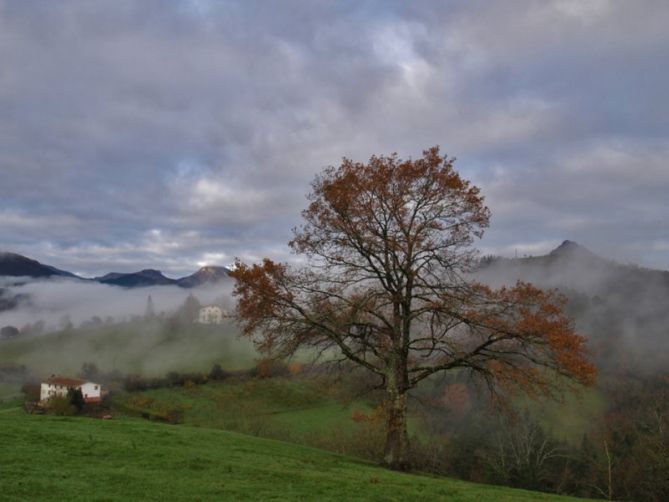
<point x="15" y="265"/>
<point x="622" y="309"/>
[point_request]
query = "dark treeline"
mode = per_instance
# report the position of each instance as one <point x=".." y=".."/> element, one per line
<point x="623" y="454"/>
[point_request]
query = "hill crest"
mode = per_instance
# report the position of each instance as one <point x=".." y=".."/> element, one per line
<point x="16" y="265"/>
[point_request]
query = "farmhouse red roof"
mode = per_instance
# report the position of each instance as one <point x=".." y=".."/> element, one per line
<point x="68" y="382"/>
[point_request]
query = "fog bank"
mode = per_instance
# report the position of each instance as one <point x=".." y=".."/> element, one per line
<point x="54" y="300"/>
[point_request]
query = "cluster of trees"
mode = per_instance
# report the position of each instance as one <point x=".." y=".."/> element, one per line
<point x="623" y="454"/>
<point x="264" y="368"/>
<point x="133" y="383"/>
<point x="9" y="332"/>
<point x="35" y="328"/>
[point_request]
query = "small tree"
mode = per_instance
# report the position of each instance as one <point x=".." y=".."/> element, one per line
<point x="31" y="391"/>
<point x="150" y="311"/>
<point x="76" y="398"/>
<point x="61" y="405"/>
<point x="217" y="373"/>
<point x="89" y="371"/>
<point x="524" y="454"/>
<point x="190" y="309"/>
<point x="388" y="248"/>
<point x="65" y="323"/>
<point x="9" y="332"/>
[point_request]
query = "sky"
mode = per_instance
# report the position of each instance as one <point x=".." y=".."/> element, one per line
<point x="173" y="134"/>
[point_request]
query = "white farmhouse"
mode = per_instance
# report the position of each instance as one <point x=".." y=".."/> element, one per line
<point x="210" y="314"/>
<point x="58" y="386"/>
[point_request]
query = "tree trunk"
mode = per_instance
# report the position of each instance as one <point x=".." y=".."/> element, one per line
<point x="396" y="454"/>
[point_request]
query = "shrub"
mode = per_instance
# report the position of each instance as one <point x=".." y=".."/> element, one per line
<point x="61" y="406"/>
<point x="76" y="398"/>
<point x="89" y="371"/>
<point x="295" y="368"/>
<point x="269" y="367"/>
<point x="217" y="373"/>
<point x="175" y="416"/>
<point x="9" y="332"/>
<point x="31" y="391"/>
<point x="359" y="416"/>
<point x="365" y="439"/>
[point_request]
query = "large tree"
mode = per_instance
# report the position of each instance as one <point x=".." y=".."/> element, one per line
<point x="387" y="283"/>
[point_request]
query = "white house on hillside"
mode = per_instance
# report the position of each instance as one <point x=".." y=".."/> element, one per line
<point x="211" y="314"/>
<point x="58" y="386"/>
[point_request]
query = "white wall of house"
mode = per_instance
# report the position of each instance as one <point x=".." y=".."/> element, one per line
<point x="211" y="314"/>
<point x="91" y="390"/>
<point x="48" y="390"/>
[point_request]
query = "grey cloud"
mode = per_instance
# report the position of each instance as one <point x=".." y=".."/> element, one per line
<point x="137" y="134"/>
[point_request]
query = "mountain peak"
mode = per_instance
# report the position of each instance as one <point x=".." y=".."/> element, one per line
<point x="571" y="248"/>
<point x="206" y="274"/>
<point x="12" y="264"/>
<point x="146" y="277"/>
<point x="567" y="245"/>
<point x="208" y="269"/>
<point x="151" y="272"/>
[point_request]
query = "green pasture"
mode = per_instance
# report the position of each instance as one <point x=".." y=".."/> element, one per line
<point x="57" y="458"/>
<point x="147" y="348"/>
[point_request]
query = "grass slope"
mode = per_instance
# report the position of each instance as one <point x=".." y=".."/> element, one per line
<point x="9" y="390"/>
<point x="146" y="347"/>
<point x="52" y="458"/>
<point x="278" y="407"/>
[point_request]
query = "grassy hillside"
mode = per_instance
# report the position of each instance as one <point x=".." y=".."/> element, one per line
<point x="149" y="348"/>
<point x="290" y="409"/>
<point x="51" y="458"/>
<point x="9" y="390"/>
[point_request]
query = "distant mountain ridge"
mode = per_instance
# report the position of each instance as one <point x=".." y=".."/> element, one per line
<point x="146" y="277"/>
<point x="621" y="309"/>
<point x="16" y="265"/>
<point x="573" y="266"/>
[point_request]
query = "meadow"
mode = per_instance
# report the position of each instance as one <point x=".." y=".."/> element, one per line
<point x="74" y="458"/>
<point x="150" y="348"/>
<point x="286" y="408"/>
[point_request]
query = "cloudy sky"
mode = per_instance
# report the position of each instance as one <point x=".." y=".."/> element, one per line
<point x="169" y="134"/>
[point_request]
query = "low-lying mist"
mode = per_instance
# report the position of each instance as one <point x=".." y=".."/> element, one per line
<point x="621" y="309"/>
<point x="65" y="323"/>
<point x="57" y="301"/>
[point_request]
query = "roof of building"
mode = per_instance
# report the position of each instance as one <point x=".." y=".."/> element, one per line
<point x="68" y="382"/>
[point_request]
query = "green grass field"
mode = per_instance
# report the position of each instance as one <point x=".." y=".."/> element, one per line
<point x="273" y="407"/>
<point x="53" y="458"/>
<point x="9" y="390"/>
